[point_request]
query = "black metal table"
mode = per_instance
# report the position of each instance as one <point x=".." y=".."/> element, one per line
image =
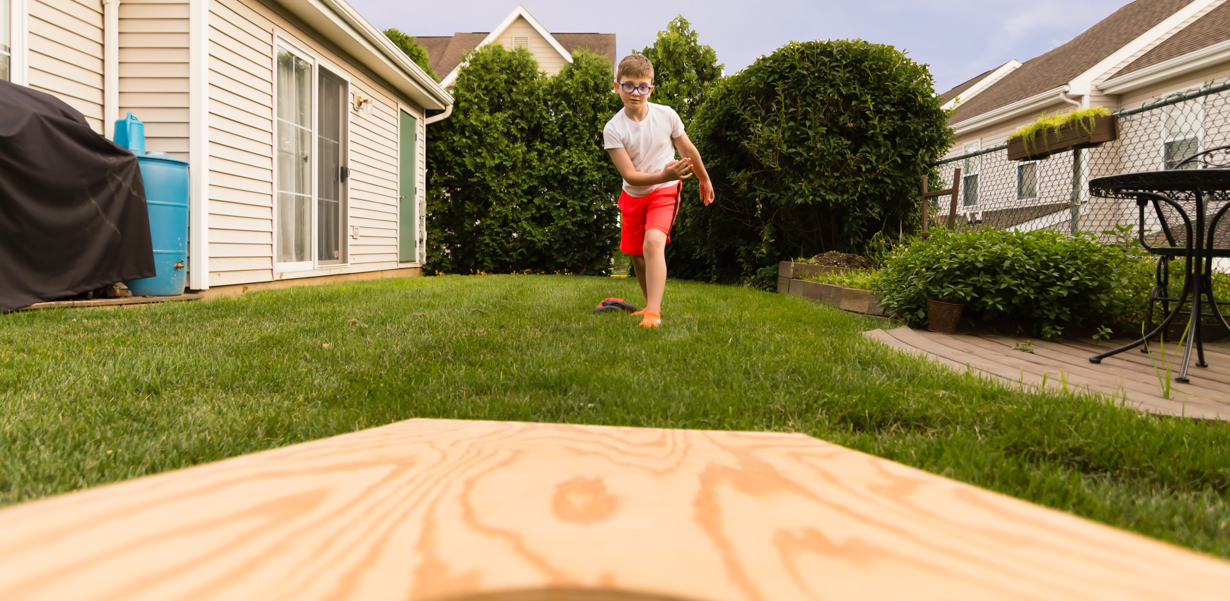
<point x="1206" y="192"/>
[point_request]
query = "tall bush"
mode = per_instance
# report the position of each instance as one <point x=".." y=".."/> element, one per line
<point x="814" y="148"/>
<point x="683" y="68"/>
<point x="411" y="49"/>
<point x="517" y="178"/>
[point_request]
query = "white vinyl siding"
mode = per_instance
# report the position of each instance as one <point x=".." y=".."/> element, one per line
<point x="549" y="59"/>
<point x="241" y="125"/>
<point x="153" y="80"/>
<point x="66" y="53"/>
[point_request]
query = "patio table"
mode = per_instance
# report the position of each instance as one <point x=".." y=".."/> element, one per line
<point x="1199" y="198"/>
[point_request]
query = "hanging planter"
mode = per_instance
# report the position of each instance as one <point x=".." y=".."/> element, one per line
<point x="1086" y="128"/>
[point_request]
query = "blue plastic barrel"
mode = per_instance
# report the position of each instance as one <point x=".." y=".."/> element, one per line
<point x="166" y="196"/>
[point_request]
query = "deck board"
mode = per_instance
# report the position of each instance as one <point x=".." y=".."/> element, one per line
<point x="442" y="509"/>
<point x="1128" y="376"/>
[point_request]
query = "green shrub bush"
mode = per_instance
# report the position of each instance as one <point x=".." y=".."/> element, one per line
<point x="517" y="179"/>
<point x="1046" y="280"/>
<point x="814" y="148"/>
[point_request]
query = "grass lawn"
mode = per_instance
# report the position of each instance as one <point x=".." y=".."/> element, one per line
<point x="95" y="396"/>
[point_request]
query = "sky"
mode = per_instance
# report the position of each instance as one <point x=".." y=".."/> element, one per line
<point x="958" y="39"/>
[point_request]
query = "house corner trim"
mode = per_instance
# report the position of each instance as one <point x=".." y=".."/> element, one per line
<point x="198" y="143"/>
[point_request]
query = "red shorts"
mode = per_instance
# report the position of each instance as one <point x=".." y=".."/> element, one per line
<point x="653" y="212"/>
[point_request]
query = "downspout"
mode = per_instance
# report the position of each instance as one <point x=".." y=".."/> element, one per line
<point x="111" y="66"/>
<point x="1075" y="203"/>
<point x="448" y="110"/>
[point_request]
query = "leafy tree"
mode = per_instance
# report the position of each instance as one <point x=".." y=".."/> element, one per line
<point x="816" y="147"/>
<point x="517" y="178"/>
<point x="683" y="68"/>
<point x="417" y="53"/>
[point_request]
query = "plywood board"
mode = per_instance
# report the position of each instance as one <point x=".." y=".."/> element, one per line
<point x="440" y="509"/>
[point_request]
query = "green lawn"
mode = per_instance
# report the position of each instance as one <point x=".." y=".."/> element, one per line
<point x="95" y="396"/>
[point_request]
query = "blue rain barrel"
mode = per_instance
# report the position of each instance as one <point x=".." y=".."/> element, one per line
<point x="166" y="195"/>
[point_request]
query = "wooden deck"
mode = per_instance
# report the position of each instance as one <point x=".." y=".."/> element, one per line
<point x="1129" y="376"/>
<point x="439" y="509"/>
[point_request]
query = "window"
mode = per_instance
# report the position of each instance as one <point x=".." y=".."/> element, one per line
<point x="969" y="175"/>
<point x="6" y="40"/>
<point x="1183" y="123"/>
<point x="310" y="208"/>
<point x="1026" y="181"/>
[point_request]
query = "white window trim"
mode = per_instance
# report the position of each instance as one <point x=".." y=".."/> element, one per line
<point x="282" y="40"/>
<point x="1166" y="139"/>
<point x="1018" y="181"/>
<point x="19" y="49"/>
<point x="974" y="146"/>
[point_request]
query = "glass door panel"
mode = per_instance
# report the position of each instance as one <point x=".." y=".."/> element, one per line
<point x="331" y="180"/>
<point x="294" y="165"/>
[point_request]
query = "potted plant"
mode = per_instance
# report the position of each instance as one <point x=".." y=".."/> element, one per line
<point x="943" y="316"/>
<point x="1085" y="128"/>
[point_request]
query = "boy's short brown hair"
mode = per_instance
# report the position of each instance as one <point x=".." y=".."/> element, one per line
<point x="633" y="65"/>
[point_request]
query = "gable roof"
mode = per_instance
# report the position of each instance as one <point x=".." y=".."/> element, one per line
<point x="444" y="53"/>
<point x="953" y="93"/>
<point x="1065" y="63"/>
<point x="1212" y="28"/>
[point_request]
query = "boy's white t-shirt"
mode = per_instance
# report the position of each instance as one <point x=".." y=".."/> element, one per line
<point x="649" y="142"/>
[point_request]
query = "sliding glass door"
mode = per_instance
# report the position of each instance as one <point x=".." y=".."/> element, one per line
<point x="310" y="205"/>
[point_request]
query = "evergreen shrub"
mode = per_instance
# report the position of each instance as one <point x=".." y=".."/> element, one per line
<point x="517" y="178"/>
<point x="814" y="148"/>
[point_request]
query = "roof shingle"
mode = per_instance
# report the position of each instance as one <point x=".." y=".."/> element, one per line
<point x="1212" y="28"/>
<point x="1065" y="63"/>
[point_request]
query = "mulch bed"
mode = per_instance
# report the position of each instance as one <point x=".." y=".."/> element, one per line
<point x="840" y="259"/>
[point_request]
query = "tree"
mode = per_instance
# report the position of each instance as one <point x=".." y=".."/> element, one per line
<point x="682" y="68"/>
<point x="517" y="178"/>
<point x="815" y="147"/>
<point x="416" y="53"/>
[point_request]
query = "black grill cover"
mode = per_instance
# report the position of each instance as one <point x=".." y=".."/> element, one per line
<point x="72" y="204"/>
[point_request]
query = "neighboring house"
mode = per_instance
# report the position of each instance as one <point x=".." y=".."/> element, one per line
<point x="518" y="29"/>
<point x="302" y="124"/>
<point x="1146" y="49"/>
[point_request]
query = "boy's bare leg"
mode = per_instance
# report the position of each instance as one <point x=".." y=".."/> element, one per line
<point x="638" y="265"/>
<point x="654" y="261"/>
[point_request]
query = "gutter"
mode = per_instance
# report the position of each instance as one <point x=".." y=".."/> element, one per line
<point x="1016" y="109"/>
<point x="1180" y="65"/>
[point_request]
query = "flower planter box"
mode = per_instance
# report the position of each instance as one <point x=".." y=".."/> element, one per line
<point x="1066" y="137"/>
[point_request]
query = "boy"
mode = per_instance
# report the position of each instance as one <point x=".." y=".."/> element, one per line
<point x="639" y="139"/>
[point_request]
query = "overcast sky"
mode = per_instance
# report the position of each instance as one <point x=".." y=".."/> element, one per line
<point x="959" y="39"/>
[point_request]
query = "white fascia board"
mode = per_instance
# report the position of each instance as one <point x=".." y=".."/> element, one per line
<point x="1180" y="65"/>
<point x="495" y="34"/>
<point x="1083" y="83"/>
<point x="1011" y="111"/>
<point x="340" y="24"/>
<point x="986" y="82"/>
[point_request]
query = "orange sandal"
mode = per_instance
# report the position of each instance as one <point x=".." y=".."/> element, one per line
<point x="650" y="320"/>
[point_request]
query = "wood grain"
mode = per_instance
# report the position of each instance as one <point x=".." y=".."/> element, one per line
<point x="438" y="509"/>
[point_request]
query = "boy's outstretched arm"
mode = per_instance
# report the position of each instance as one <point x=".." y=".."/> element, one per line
<point x="689" y="153"/>
<point x="674" y="170"/>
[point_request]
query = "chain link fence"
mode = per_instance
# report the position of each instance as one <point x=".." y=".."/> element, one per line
<point x="1053" y="193"/>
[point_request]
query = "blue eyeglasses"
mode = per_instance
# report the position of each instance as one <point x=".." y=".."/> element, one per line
<point x="629" y="88"/>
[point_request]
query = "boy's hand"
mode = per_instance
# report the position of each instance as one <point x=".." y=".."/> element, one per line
<point x="706" y="191"/>
<point x="677" y="170"/>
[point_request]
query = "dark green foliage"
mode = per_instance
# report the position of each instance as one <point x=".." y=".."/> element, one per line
<point x="517" y="179"/>
<point x="814" y="148"/>
<point x="683" y="68"/>
<point x="1045" y="279"/>
<point x="417" y="53"/>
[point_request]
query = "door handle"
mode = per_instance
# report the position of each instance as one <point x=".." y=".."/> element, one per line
<point x="345" y="174"/>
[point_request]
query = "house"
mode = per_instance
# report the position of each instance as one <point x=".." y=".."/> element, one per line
<point x="518" y="29"/>
<point x="302" y="124"/>
<point x="1145" y="50"/>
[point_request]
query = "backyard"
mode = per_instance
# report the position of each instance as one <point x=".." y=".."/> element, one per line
<point x="92" y="396"/>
